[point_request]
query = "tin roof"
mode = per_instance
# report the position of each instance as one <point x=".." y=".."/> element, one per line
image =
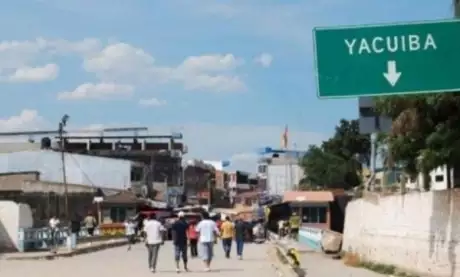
<point x="123" y="197"/>
<point x="308" y="196"/>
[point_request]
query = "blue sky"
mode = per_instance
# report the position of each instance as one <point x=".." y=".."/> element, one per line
<point x="228" y="74"/>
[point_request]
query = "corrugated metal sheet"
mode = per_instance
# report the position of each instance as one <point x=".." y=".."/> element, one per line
<point x="9" y="147"/>
<point x="80" y="169"/>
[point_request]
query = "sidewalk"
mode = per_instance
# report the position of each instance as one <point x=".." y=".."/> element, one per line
<point x="318" y="264"/>
<point x="83" y="248"/>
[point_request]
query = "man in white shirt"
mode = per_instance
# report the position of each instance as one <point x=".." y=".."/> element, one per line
<point x="130" y="231"/>
<point x="208" y="232"/>
<point x="54" y="226"/>
<point x="154" y="239"/>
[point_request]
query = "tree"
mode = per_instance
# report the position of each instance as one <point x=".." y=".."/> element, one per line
<point x="348" y="143"/>
<point x="323" y="169"/>
<point x="425" y="133"/>
<point x="335" y="164"/>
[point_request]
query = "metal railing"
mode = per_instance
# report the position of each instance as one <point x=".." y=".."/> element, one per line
<point x="44" y="238"/>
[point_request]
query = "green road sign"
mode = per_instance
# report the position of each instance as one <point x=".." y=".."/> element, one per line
<point x="404" y="58"/>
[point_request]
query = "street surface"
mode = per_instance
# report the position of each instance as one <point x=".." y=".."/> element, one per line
<point x="118" y="262"/>
<point x="317" y="265"/>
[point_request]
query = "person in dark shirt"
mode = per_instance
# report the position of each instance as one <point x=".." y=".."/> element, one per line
<point x="179" y="237"/>
<point x="75" y="227"/>
<point x="240" y="230"/>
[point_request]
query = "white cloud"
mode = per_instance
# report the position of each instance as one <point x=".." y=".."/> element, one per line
<point x="210" y="63"/>
<point x="16" y="54"/>
<point x="27" y="119"/>
<point x="118" y="62"/>
<point x="20" y="60"/>
<point x="152" y="102"/>
<point x="264" y="59"/>
<point x="97" y="91"/>
<point x="35" y="74"/>
<point x="121" y="61"/>
<point x="237" y="143"/>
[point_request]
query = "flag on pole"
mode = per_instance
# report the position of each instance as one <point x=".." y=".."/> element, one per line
<point x="285" y="139"/>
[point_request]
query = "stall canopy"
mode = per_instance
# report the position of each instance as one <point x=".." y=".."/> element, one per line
<point x="303" y="197"/>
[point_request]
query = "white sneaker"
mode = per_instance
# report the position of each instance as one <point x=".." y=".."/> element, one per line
<point x="152" y="269"/>
<point x="177" y="270"/>
<point x="207" y="269"/>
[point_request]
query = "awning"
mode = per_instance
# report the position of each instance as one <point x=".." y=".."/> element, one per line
<point x="308" y="196"/>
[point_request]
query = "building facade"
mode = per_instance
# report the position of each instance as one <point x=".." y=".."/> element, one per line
<point x="80" y="169"/>
<point x="280" y="173"/>
<point x="279" y="170"/>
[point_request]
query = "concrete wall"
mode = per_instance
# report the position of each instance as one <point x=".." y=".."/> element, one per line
<point x="282" y="178"/>
<point x="29" y="182"/>
<point x="12" y="217"/>
<point x="80" y="169"/>
<point x="418" y="231"/>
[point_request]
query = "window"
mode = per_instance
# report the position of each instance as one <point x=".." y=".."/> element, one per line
<point x="439" y="178"/>
<point x="314" y="215"/>
<point x="136" y="174"/>
<point x="118" y="214"/>
<point x="262" y="169"/>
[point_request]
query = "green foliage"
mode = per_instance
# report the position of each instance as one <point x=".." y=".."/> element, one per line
<point x="426" y="130"/>
<point x="322" y="167"/>
<point x="335" y="164"/>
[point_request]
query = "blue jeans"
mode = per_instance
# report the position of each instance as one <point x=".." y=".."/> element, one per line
<point x="239" y="247"/>
<point x="227" y="245"/>
<point x="180" y="250"/>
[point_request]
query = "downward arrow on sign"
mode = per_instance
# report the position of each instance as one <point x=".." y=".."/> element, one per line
<point x="392" y="75"/>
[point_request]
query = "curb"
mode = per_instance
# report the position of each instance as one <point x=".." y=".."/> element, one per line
<point x="81" y="251"/>
<point x="282" y="269"/>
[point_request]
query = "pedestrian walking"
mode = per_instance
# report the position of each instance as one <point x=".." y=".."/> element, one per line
<point x="153" y="230"/>
<point x="179" y="237"/>
<point x="226" y="235"/>
<point x="208" y="232"/>
<point x="54" y="229"/>
<point x="75" y="227"/>
<point x="130" y="232"/>
<point x="90" y="223"/>
<point x="294" y="225"/>
<point x="192" y="236"/>
<point x="240" y="231"/>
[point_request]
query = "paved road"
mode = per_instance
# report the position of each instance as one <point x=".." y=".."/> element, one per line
<point x="117" y="262"/>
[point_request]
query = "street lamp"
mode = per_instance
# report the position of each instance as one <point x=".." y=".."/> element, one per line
<point x="62" y="125"/>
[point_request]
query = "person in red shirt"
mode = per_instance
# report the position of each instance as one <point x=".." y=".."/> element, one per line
<point x="192" y="236"/>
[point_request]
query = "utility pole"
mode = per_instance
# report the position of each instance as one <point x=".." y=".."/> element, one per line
<point x="209" y="192"/>
<point x="209" y="188"/>
<point x="456" y="4"/>
<point x="62" y="125"/>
